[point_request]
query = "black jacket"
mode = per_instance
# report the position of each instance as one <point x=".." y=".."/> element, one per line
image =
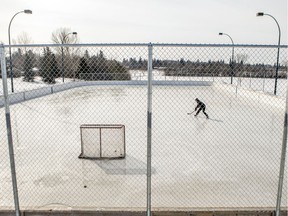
<point x="200" y="105"/>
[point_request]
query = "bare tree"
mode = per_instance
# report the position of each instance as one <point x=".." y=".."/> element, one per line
<point x="66" y="55"/>
<point x="64" y="36"/>
<point x="23" y="38"/>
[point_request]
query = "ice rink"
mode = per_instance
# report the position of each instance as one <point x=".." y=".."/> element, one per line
<point x="231" y="160"/>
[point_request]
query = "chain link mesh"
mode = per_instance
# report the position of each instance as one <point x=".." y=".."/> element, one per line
<point x="230" y="160"/>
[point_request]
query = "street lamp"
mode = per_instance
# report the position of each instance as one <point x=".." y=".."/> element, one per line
<point x="277" y="64"/>
<point x="62" y="51"/>
<point x="11" y="72"/>
<point x="232" y="64"/>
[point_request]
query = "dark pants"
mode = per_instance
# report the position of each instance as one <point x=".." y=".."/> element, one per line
<point x="203" y="109"/>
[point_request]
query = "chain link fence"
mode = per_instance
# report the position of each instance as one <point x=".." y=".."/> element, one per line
<point x="59" y="93"/>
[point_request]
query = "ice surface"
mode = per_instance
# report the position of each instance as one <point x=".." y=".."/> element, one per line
<point x="231" y="160"/>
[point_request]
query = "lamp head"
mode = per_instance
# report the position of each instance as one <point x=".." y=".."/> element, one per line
<point x="74" y="33"/>
<point x="28" y="11"/>
<point x="220" y="33"/>
<point x="260" y="14"/>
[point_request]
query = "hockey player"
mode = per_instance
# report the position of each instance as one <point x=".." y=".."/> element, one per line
<point x="200" y="106"/>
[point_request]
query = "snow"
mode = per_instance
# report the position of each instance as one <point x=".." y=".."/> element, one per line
<point x="22" y="86"/>
<point x="266" y="85"/>
<point x="231" y="160"/>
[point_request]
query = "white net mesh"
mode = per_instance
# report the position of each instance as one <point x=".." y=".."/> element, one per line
<point x="102" y="141"/>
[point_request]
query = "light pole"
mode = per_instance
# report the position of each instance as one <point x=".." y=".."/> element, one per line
<point x="232" y="63"/>
<point x="277" y="64"/>
<point x="10" y="58"/>
<point x="62" y="51"/>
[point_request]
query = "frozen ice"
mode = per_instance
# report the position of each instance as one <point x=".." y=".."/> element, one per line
<point x="231" y="160"/>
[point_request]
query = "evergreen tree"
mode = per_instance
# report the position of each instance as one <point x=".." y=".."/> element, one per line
<point x="54" y="66"/>
<point x="117" y="71"/>
<point x="28" y="65"/>
<point x="49" y="69"/>
<point x="86" y="55"/>
<point x="182" y="62"/>
<point x="101" y="55"/>
<point x="82" y="68"/>
<point x="99" y="68"/>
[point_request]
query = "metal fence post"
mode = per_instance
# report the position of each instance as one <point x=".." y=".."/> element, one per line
<point x="282" y="163"/>
<point x="9" y="130"/>
<point x="149" y="127"/>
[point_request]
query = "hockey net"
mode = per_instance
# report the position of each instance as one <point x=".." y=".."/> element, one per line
<point x="100" y="141"/>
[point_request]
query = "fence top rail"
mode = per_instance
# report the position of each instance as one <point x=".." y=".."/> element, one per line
<point x="145" y="44"/>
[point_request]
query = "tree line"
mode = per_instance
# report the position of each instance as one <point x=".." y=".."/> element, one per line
<point x="50" y="66"/>
<point x="52" y="63"/>
<point x="183" y="67"/>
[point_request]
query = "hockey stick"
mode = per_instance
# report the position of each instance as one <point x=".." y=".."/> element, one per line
<point x="190" y="113"/>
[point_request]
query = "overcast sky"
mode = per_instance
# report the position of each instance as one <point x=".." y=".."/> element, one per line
<point x="156" y="21"/>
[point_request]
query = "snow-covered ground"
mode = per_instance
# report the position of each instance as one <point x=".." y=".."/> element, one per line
<point x="258" y="84"/>
<point x="21" y="86"/>
<point x="266" y="85"/>
<point x="229" y="161"/>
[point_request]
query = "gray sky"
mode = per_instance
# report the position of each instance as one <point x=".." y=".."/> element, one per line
<point x="156" y="21"/>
